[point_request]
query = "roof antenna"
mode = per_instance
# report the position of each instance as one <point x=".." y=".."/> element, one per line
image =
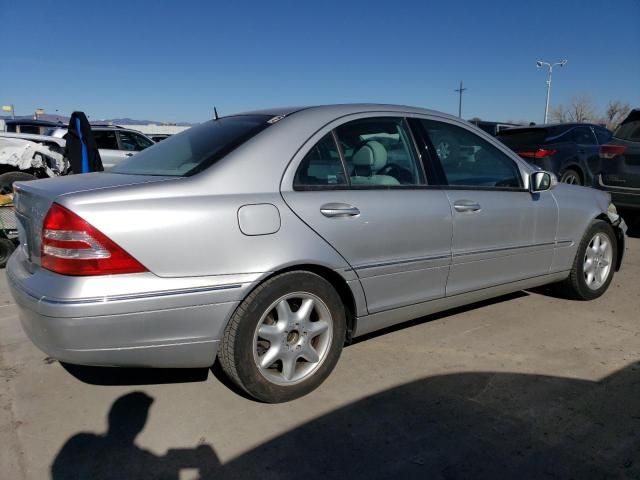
<point x="215" y="113"/>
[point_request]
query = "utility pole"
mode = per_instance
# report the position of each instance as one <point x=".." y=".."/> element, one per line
<point x="550" y="66"/>
<point x="460" y="90"/>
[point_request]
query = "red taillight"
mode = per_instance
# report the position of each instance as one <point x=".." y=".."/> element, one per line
<point x="540" y="153"/>
<point x="71" y="246"/>
<point x="610" y="151"/>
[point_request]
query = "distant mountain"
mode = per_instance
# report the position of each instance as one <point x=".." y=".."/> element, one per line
<point x="111" y="121"/>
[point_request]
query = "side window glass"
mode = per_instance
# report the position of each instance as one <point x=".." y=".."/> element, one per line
<point x="321" y="166"/>
<point x="106" y="140"/>
<point x="128" y="142"/>
<point x="468" y="160"/>
<point x="379" y="152"/>
<point x="583" y="136"/>
<point x="142" y="141"/>
<point x="629" y="131"/>
<point x="603" y="135"/>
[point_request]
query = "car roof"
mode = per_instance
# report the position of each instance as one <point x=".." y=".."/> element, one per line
<point x="555" y="125"/>
<point x="339" y="109"/>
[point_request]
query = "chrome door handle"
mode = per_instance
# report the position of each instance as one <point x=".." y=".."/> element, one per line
<point x="339" y="210"/>
<point x="467" y="206"/>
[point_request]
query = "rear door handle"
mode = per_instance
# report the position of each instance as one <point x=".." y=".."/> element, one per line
<point x="466" y="206"/>
<point x="339" y="210"/>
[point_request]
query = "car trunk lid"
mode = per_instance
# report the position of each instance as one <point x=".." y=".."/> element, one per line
<point x="33" y="199"/>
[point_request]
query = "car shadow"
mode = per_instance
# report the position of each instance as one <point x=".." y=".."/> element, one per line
<point x="467" y="425"/>
<point x="114" y="376"/>
<point x="632" y="219"/>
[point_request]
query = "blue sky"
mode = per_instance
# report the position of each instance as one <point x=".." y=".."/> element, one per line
<point x="174" y="60"/>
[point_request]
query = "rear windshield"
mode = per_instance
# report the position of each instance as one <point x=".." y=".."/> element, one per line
<point x="515" y="137"/>
<point x="195" y="149"/>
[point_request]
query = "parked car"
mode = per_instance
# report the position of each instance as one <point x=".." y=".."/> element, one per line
<point x="620" y="170"/>
<point x="114" y="143"/>
<point x="159" y="136"/>
<point x="30" y="126"/>
<point x="570" y="150"/>
<point x="493" y="128"/>
<point x="291" y="232"/>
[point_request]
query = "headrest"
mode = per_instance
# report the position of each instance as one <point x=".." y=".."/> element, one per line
<point x="372" y="154"/>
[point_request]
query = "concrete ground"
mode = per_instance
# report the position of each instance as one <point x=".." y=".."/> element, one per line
<point x="526" y="386"/>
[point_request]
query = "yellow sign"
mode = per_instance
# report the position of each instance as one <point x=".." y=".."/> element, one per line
<point x="7" y="108"/>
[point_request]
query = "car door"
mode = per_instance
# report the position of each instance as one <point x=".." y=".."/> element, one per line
<point x="107" y="142"/>
<point x="588" y="151"/>
<point x="501" y="232"/>
<point x="362" y="188"/>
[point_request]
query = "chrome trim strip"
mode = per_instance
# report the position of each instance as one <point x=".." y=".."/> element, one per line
<point x="504" y="249"/>
<point x="401" y="262"/>
<point x="114" y="298"/>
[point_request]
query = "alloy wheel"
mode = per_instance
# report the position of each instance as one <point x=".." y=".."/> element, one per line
<point x="597" y="261"/>
<point x="292" y="338"/>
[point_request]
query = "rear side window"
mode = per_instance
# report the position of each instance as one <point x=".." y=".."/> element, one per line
<point x="321" y="166"/>
<point x="379" y="152"/>
<point x="583" y="136"/>
<point x="523" y="137"/>
<point x="629" y="131"/>
<point x="603" y="135"/>
<point x="195" y="149"/>
<point x="471" y="161"/>
<point x="105" y="139"/>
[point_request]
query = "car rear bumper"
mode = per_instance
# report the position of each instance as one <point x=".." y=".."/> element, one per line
<point x="622" y="197"/>
<point x="177" y="328"/>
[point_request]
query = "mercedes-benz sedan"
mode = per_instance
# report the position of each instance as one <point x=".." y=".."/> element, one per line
<point x="269" y="239"/>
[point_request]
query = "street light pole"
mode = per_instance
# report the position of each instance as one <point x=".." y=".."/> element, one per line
<point x="539" y="64"/>
<point x="460" y="90"/>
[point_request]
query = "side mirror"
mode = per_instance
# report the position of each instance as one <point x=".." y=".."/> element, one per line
<point x="542" y="181"/>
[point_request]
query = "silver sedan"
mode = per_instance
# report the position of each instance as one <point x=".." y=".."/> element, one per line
<point x="269" y="239"/>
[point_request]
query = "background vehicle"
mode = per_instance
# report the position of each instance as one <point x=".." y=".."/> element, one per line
<point x="493" y="128"/>
<point x="620" y="170"/>
<point x="114" y="143"/>
<point x="159" y="136"/>
<point x="300" y="229"/>
<point x="570" y="150"/>
<point x="30" y="126"/>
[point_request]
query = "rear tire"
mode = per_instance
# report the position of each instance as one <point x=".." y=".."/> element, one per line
<point x="6" y="249"/>
<point x="594" y="264"/>
<point x="285" y="338"/>
<point x="572" y="177"/>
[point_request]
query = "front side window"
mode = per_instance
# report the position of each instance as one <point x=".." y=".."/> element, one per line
<point x="603" y="135"/>
<point x="470" y="161"/>
<point x="583" y="136"/>
<point x="322" y="166"/>
<point x="105" y="139"/>
<point x="128" y="142"/>
<point x="379" y="152"/>
<point x="195" y="149"/>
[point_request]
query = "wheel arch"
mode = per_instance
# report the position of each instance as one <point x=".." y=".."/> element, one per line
<point x="620" y="240"/>
<point x="335" y="279"/>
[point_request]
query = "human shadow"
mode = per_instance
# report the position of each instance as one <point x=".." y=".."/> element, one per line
<point x="479" y="425"/>
<point x="115" y="455"/>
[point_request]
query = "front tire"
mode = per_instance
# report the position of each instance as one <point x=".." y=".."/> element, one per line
<point x="285" y="338"/>
<point x="594" y="265"/>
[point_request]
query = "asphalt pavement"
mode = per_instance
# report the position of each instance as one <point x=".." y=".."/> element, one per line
<point x="524" y="386"/>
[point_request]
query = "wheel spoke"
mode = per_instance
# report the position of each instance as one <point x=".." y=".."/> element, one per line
<point x="304" y="312"/>
<point x="270" y="357"/>
<point x="288" y="366"/>
<point x="596" y="243"/>
<point x="309" y="354"/>
<point x="590" y="278"/>
<point x="284" y="310"/>
<point x="269" y="332"/>
<point x="603" y="247"/>
<point x="317" y="328"/>
<point x="588" y="265"/>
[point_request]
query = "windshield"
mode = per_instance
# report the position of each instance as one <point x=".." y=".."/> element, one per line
<point x="195" y="149"/>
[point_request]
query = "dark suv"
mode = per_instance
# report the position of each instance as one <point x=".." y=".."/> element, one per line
<point x="620" y="170"/>
<point x="571" y="150"/>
